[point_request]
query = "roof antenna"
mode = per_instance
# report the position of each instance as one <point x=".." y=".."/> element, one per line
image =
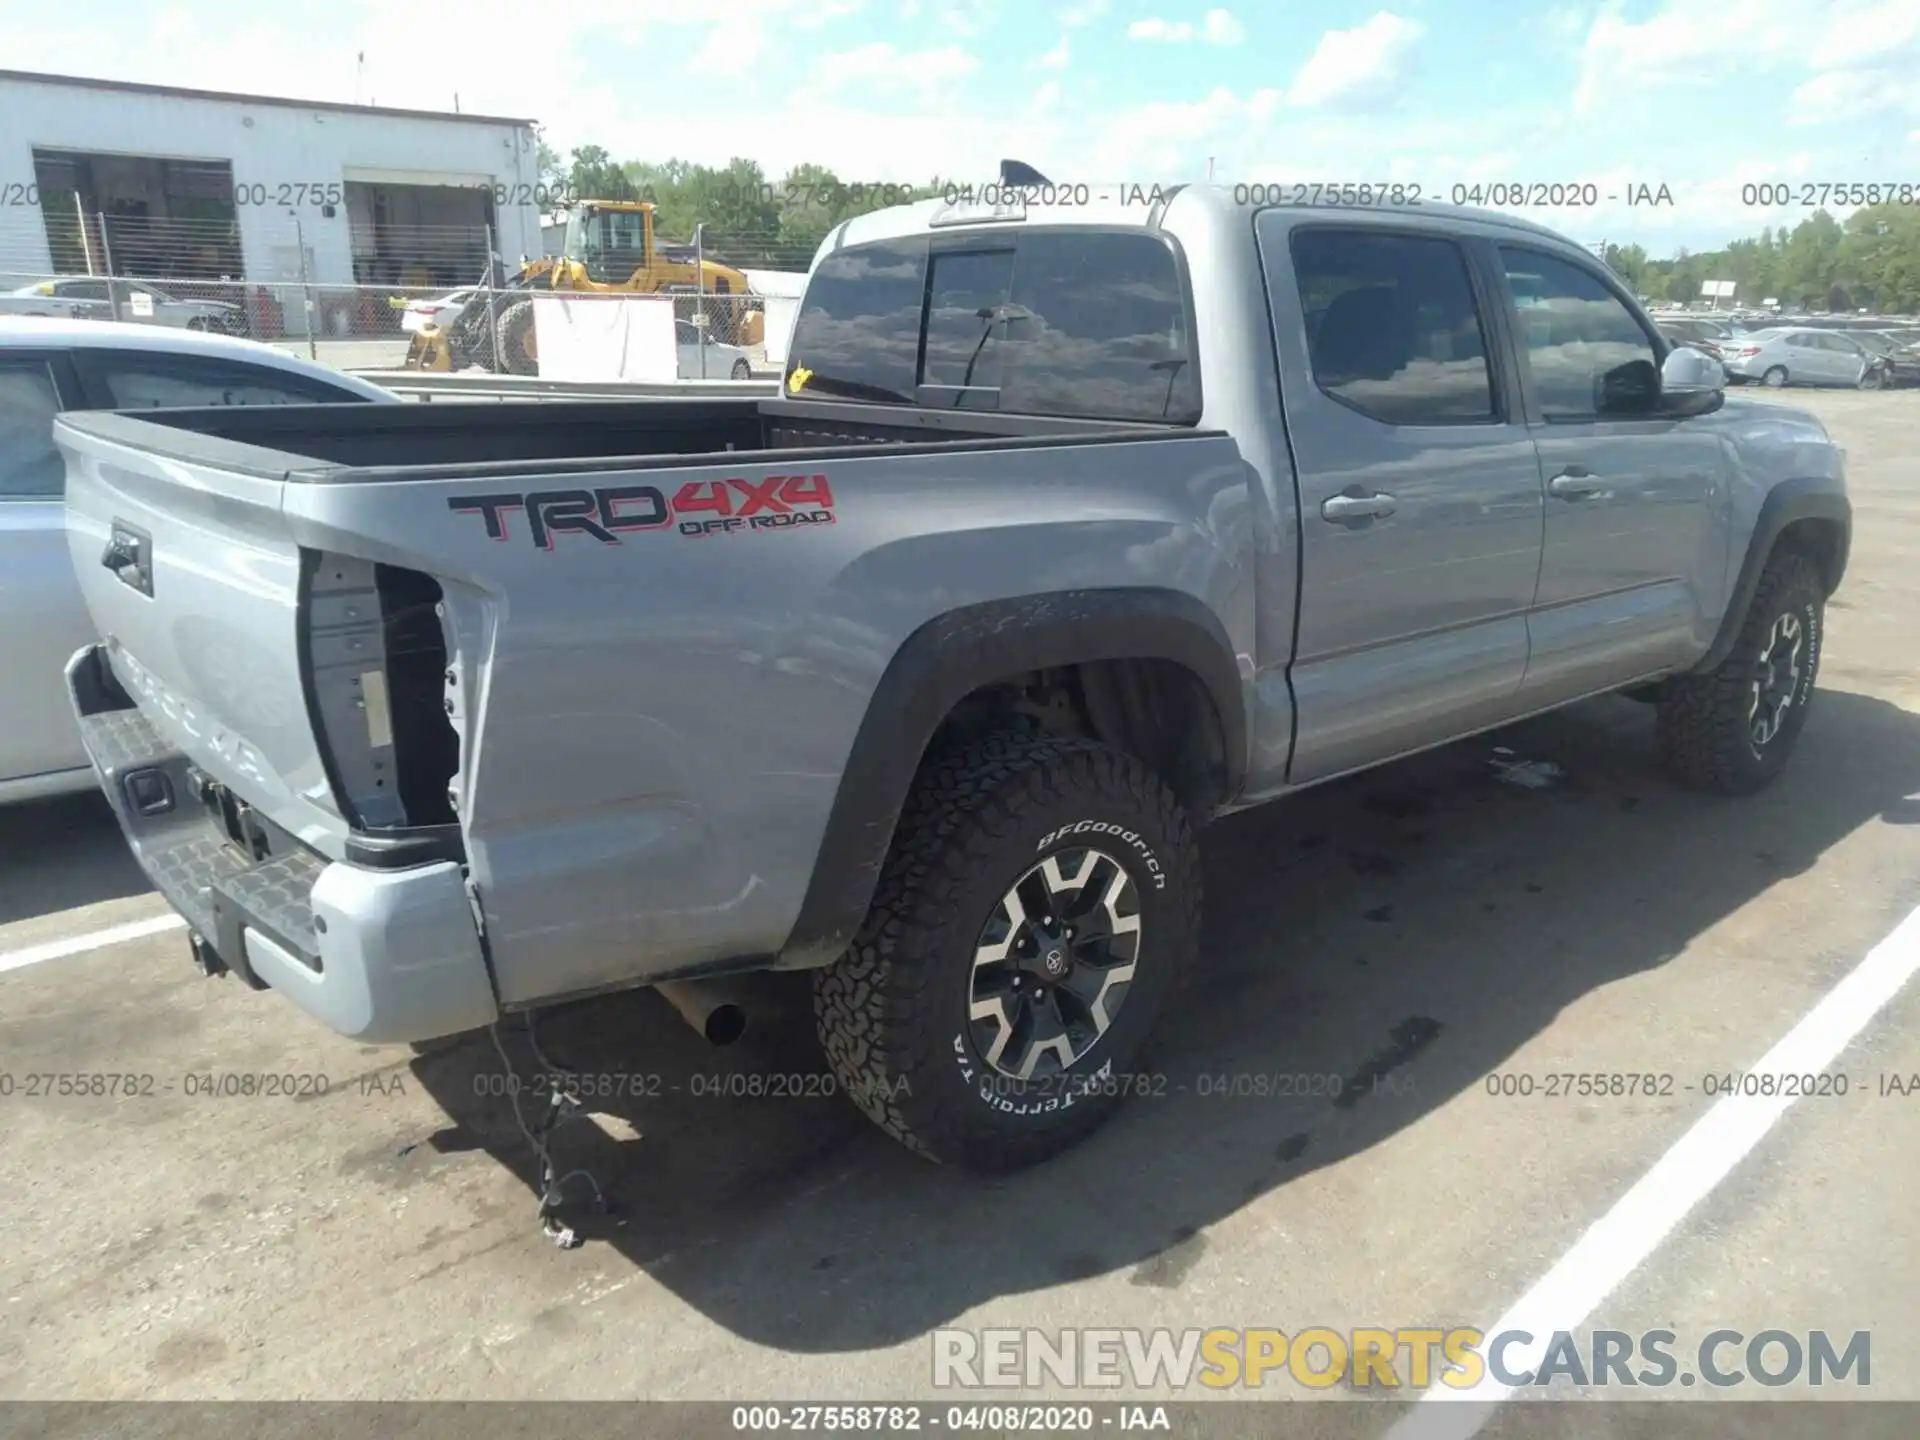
<point x="1017" y="172"/>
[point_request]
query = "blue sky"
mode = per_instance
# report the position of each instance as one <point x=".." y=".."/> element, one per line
<point x="1702" y="96"/>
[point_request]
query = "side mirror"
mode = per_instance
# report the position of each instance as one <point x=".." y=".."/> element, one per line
<point x="1691" y="383"/>
<point x="1630" y="389"/>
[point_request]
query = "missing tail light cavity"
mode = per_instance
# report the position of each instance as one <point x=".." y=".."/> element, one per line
<point x="375" y="663"/>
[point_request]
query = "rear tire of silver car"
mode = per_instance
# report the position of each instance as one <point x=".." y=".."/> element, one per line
<point x="1054" y="862"/>
<point x="1775" y="377"/>
<point x="1730" y="730"/>
<point x="742" y="370"/>
<point x="199" y="322"/>
<point x="1872" y="378"/>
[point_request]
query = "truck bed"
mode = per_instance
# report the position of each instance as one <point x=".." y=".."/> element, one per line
<point x="319" y="442"/>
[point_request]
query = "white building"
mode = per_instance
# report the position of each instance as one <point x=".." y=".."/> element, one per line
<point x="200" y="185"/>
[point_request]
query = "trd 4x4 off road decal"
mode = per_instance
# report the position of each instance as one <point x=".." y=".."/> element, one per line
<point x="699" y="507"/>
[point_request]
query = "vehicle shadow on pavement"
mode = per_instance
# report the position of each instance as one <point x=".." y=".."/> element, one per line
<point x="56" y="854"/>
<point x="1404" y="932"/>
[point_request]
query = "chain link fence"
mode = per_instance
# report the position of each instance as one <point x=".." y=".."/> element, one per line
<point x="280" y="280"/>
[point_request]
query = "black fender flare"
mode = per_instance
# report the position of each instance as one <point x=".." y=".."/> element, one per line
<point x="948" y="658"/>
<point x="1788" y="502"/>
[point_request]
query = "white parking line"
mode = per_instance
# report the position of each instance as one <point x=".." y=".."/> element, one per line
<point x="1633" y="1229"/>
<point x="92" y="940"/>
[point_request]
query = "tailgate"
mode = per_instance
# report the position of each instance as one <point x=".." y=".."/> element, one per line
<point x="194" y="583"/>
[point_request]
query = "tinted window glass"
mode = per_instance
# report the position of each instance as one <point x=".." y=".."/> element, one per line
<point x="1069" y="323"/>
<point x="30" y="463"/>
<point x="859" y="328"/>
<point x="968" y="320"/>
<point x="82" y="290"/>
<point x="1578" y="338"/>
<point x="145" y="382"/>
<point x="1098" y="327"/>
<point x="1392" y="329"/>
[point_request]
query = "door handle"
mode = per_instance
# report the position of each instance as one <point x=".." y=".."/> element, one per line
<point x="1358" y="507"/>
<point x="1576" y="483"/>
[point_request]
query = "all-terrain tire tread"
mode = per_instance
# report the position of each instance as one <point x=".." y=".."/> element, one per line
<point x="1701" y="727"/>
<point x="875" y="1027"/>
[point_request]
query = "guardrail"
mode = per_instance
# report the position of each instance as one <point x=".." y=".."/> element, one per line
<point x="464" y="386"/>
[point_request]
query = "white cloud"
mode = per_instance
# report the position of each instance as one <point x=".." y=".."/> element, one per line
<point x="1056" y="58"/>
<point x="878" y="66"/>
<point x="1688" y="42"/>
<point x="1084" y="13"/>
<point x="967" y="18"/>
<point x="1837" y="95"/>
<point x="821" y="12"/>
<point x="1173" y="32"/>
<point x="1358" y="63"/>
<point x="1220" y="28"/>
<point x="1217" y="27"/>
<point x="1045" y="97"/>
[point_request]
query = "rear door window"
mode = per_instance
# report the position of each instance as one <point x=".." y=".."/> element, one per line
<point x="1393" y="329"/>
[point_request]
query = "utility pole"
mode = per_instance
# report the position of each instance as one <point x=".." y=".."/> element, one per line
<point x="700" y="291"/>
<point x="106" y="258"/>
<point x="306" y="295"/>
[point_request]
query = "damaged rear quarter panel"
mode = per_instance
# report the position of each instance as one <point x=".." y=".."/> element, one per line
<point x="657" y="721"/>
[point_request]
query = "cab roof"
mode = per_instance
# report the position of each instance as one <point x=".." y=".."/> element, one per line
<point x="1121" y="204"/>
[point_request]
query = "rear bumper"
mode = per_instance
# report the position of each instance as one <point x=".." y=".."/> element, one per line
<point x="376" y="954"/>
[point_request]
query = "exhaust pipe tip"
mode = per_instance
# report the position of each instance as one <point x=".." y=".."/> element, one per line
<point x="726" y="1023"/>
<point x="711" y="1007"/>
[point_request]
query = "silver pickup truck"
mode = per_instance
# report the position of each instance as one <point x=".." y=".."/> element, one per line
<point x="1070" y="531"/>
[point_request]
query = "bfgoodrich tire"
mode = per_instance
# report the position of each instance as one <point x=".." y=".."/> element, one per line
<point x="1040" y="902"/>
<point x="1732" y="729"/>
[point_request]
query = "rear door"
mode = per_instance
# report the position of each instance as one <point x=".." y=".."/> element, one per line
<point x="42" y="618"/>
<point x="1419" y="488"/>
<point x="1633" y="556"/>
<point x="1847" y="361"/>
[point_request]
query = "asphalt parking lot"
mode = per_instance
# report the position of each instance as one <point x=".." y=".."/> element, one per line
<point x="1412" y="932"/>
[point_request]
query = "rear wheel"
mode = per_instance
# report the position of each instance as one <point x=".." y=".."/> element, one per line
<point x="519" y="352"/>
<point x="1040" y="902"/>
<point x="1775" y="377"/>
<point x="1872" y="378"/>
<point x="1730" y="730"/>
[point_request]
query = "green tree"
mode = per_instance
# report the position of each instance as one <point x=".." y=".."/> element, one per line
<point x="594" y="176"/>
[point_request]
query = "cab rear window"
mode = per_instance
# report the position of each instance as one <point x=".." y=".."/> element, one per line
<point x="1089" y="324"/>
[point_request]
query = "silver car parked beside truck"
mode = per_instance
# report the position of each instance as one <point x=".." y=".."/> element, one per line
<point x="1072" y="530"/>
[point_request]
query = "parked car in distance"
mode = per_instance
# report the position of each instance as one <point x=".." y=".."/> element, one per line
<point x="50" y="366"/>
<point x="441" y="310"/>
<point x="1791" y="355"/>
<point x="1702" y="335"/>
<point x="86" y="297"/>
<point x="1903" y="361"/>
<point x="721" y="361"/>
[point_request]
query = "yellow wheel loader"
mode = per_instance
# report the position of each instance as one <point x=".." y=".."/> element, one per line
<point x="609" y="249"/>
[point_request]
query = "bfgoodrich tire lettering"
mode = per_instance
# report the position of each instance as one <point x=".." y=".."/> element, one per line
<point x="894" y="1011"/>
<point x="1731" y="729"/>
